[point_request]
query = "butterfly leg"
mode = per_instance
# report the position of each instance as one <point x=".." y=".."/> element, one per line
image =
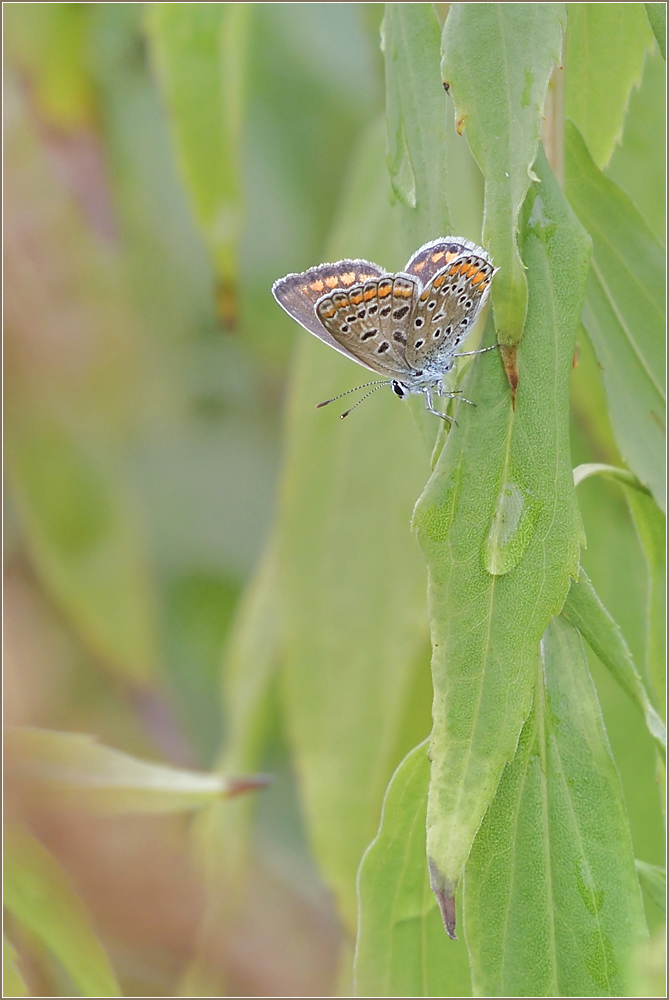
<point x="429" y="403"/>
<point x="451" y="394"/>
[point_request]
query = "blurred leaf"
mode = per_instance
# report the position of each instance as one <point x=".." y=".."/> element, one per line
<point x="38" y="893"/>
<point x="624" y="312"/>
<point x="500" y="530"/>
<point x="352" y="582"/>
<point x="638" y="162"/>
<point x="654" y="881"/>
<point x="108" y="781"/>
<point x="415" y="116"/>
<point x="200" y="52"/>
<point x="552" y="901"/>
<point x="48" y="43"/>
<point x="651" y="526"/>
<point x="604" y="54"/>
<point x="497" y="60"/>
<point x="84" y="539"/>
<point x="586" y="612"/>
<point x="12" y="980"/>
<point x="649" y="970"/>
<point x="402" y="949"/>
<point x="657" y="18"/>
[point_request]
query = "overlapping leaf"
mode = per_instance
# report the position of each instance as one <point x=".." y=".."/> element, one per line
<point x="499" y="529"/>
<point x="552" y="900"/>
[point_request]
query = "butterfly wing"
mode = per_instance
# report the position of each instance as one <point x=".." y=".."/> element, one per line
<point x="446" y="310"/>
<point x="434" y="256"/>
<point x="299" y="293"/>
<point x="370" y="322"/>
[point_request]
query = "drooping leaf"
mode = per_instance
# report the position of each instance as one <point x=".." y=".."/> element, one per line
<point x="651" y="526"/>
<point x="586" y="612"/>
<point x="200" y="52"/>
<point x="415" y="118"/>
<point x="351" y="579"/>
<point x="111" y="782"/>
<point x="552" y="900"/>
<point x="624" y="312"/>
<point x="657" y="18"/>
<point x="604" y="53"/>
<point x="401" y="947"/>
<point x="500" y="531"/>
<point x="38" y="893"/>
<point x="497" y="60"/>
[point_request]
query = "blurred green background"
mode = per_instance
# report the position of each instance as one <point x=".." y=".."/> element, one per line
<point x="145" y="390"/>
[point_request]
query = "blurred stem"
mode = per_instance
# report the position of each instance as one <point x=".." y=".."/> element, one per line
<point x="552" y="125"/>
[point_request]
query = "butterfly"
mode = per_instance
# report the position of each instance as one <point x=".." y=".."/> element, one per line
<point x="405" y="327"/>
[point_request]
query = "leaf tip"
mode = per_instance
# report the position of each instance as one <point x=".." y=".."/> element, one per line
<point x="247" y="783"/>
<point x="509" y="358"/>
<point x="444" y="892"/>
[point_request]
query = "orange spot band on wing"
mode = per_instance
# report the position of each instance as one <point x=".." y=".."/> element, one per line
<point x="450" y="256"/>
<point x="316" y="286"/>
<point x="385" y="290"/>
<point x="356" y="298"/>
<point x="479" y="278"/>
<point x="419" y="266"/>
<point x="370" y="293"/>
<point x="439" y="280"/>
<point x="348" y="278"/>
<point x="437" y="256"/>
<point x="332" y="282"/>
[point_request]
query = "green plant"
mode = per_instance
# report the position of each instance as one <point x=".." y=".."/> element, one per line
<point x="514" y="816"/>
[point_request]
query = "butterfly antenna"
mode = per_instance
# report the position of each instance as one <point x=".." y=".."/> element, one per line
<point x="378" y="382"/>
<point x="482" y="350"/>
<point x="377" y="386"/>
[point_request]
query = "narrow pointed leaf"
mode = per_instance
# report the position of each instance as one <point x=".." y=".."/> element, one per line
<point x="351" y="579"/>
<point x="415" y="116"/>
<point x="38" y="893"/>
<point x="624" y="313"/>
<point x="604" y="54"/>
<point x="12" y="980"/>
<point x="497" y="61"/>
<point x="111" y="782"/>
<point x="654" y="881"/>
<point x="584" y="609"/>
<point x="200" y="54"/>
<point x="402" y="950"/>
<point x="500" y="531"/>
<point x="552" y="900"/>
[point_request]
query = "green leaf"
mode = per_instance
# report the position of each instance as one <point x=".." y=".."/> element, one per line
<point x="586" y="612"/>
<point x="12" y="980"/>
<point x="552" y="900"/>
<point x="654" y="881"/>
<point x="501" y="462"/>
<point x="200" y="53"/>
<point x="657" y="18"/>
<point x="83" y="535"/>
<point x="651" y="527"/>
<point x="497" y="61"/>
<point x="604" y="54"/>
<point x="47" y="42"/>
<point x="624" y="312"/>
<point x="638" y="163"/>
<point x="111" y="782"/>
<point x="402" y="950"/>
<point x="415" y="116"/>
<point x="352" y="581"/>
<point x="38" y="893"/>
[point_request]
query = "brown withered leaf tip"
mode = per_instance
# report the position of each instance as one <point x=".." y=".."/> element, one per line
<point x="447" y="86"/>
<point x="509" y="358"/>
<point x="247" y="783"/>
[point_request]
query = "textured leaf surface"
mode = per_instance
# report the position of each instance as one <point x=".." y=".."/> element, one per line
<point x="624" y="313"/>
<point x="657" y="18"/>
<point x="486" y="627"/>
<point x="38" y="893"/>
<point x="415" y="117"/>
<point x="352" y="581"/>
<point x="200" y="52"/>
<point x="586" y="612"/>
<point x="497" y="60"/>
<point x="110" y="781"/>
<point x="402" y="950"/>
<point x="552" y="900"/>
<point x="605" y="49"/>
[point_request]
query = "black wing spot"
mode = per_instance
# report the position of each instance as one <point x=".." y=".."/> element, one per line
<point x="385" y="311"/>
<point x="437" y="317"/>
<point x="419" y="344"/>
<point x="401" y="312"/>
<point x="399" y="338"/>
<point x="468" y="304"/>
<point x="368" y="334"/>
<point x="351" y="319"/>
<point x="464" y="322"/>
<point x="462" y="300"/>
<point x="432" y="303"/>
<point x="362" y="313"/>
<point x="437" y="333"/>
<point x="418" y="322"/>
<point x="372" y="310"/>
<point x="382" y="347"/>
<point x="344" y="328"/>
<point x="448" y="331"/>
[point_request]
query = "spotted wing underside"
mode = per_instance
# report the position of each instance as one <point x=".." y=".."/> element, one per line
<point x="370" y="322"/>
<point x="299" y="293"/>
<point x="446" y="310"/>
<point x="434" y="256"/>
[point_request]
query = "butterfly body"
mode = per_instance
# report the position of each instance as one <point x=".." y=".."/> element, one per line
<point x="405" y="327"/>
